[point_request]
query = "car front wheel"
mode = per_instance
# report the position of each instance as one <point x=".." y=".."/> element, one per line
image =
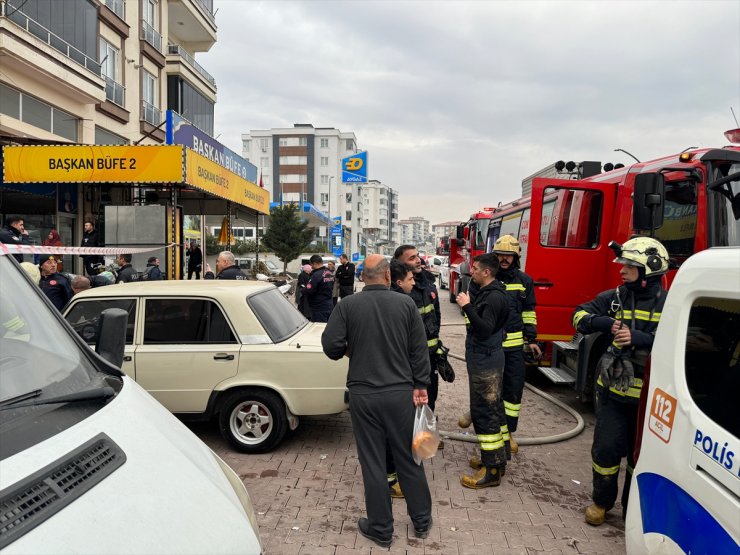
<point x="253" y="421"/>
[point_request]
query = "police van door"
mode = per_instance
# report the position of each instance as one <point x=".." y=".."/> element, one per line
<point x="567" y="252"/>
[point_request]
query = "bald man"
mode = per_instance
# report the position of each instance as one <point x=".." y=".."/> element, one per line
<point x="382" y="334"/>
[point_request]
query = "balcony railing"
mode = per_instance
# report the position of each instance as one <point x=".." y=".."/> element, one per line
<point x="150" y="35"/>
<point x="57" y="43"/>
<point x="150" y="113"/>
<point x="177" y="50"/>
<point x="118" y="7"/>
<point x="207" y="7"/>
<point x="115" y="92"/>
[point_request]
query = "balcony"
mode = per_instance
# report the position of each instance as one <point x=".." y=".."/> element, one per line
<point x="115" y="92"/>
<point x="150" y="114"/>
<point x="118" y="7"/>
<point x="151" y="36"/>
<point x="192" y="23"/>
<point x="178" y="55"/>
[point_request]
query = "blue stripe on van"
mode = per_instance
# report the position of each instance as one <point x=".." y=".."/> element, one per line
<point x="669" y="510"/>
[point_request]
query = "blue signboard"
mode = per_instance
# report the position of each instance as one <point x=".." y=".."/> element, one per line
<point x="354" y="168"/>
<point x="337" y="237"/>
<point x="181" y="132"/>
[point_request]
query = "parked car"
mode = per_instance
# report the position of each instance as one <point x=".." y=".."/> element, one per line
<point x="443" y="280"/>
<point x="235" y="351"/>
<point x="249" y="263"/>
<point x="77" y="437"/>
<point x="434" y="263"/>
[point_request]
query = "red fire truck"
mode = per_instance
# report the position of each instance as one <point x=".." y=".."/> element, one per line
<point x="688" y="201"/>
<point x="469" y="243"/>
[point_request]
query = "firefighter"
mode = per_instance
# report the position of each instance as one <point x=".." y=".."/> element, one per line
<point x="629" y="314"/>
<point x="487" y="315"/>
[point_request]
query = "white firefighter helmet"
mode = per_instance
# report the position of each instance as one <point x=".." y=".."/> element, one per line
<point x="643" y="252"/>
<point x="507" y="244"/>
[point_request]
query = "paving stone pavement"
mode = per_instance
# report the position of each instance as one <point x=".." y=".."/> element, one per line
<point x="308" y="493"/>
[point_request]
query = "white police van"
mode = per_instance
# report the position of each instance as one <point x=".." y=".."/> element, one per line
<point x="90" y="462"/>
<point x="685" y="495"/>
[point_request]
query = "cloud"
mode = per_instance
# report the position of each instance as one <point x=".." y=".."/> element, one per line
<point x="457" y="102"/>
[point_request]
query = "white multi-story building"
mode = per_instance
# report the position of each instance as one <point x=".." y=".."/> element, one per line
<point x="379" y="216"/>
<point x="415" y="231"/>
<point x="304" y="161"/>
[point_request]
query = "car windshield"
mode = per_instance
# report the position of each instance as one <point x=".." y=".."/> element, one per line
<point x="280" y="319"/>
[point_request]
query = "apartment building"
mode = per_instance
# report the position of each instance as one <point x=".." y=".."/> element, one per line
<point x="443" y="230"/>
<point x="97" y="72"/>
<point x="415" y="231"/>
<point x="304" y="162"/>
<point x="379" y="216"/>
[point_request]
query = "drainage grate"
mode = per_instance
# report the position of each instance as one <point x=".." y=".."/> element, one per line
<point x="25" y="505"/>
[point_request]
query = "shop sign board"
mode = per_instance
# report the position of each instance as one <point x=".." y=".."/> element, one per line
<point x="92" y="164"/>
<point x="208" y="176"/>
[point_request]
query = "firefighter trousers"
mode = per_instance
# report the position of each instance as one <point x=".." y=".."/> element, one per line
<point x="614" y="438"/>
<point x="487" y="406"/>
<point x="380" y="420"/>
<point x="514" y="373"/>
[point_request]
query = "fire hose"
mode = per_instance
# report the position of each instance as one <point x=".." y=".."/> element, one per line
<point x="527" y="440"/>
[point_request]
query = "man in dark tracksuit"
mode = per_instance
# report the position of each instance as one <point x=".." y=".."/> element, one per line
<point x="487" y="315"/>
<point x="90" y="238"/>
<point x="424" y="294"/>
<point x="382" y="334"/>
<point x="345" y="276"/>
<point x="630" y="316"/>
<point x="319" y="290"/>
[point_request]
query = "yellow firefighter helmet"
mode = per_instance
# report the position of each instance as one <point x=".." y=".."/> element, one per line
<point x="643" y="252"/>
<point x="507" y="244"/>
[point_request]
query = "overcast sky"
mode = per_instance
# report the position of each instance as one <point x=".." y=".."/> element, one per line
<point x="457" y="102"/>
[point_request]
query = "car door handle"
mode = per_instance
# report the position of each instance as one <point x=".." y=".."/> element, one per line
<point x="127" y="358"/>
<point x="223" y="356"/>
<point x="543" y="284"/>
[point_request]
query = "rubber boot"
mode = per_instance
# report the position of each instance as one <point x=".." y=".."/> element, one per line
<point x="475" y="463"/>
<point x="465" y="420"/>
<point x="441" y="444"/>
<point x="395" y="491"/>
<point x="595" y="515"/>
<point x="483" y="478"/>
<point x="514" y="445"/>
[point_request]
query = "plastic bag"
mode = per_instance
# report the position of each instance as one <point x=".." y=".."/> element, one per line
<point x="426" y="438"/>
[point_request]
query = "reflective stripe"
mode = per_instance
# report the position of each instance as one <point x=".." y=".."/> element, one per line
<point x="605" y="471"/>
<point x="512" y="409"/>
<point x="492" y="446"/>
<point x="466" y="319"/>
<point x="633" y="391"/>
<point x="578" y="316"/>
<point x="432" y="342"/>
<point x="641" y="315"/>
<point x="505" y="433"/>
<point x="514" y="339"/>
<point x="489" y="437"/>
<point x="630" y="469"/>
<point x="514" y="287"/>
<point x="392" y="477"/>
<point x="529" y="317"/>
<point x="426" y="309"/>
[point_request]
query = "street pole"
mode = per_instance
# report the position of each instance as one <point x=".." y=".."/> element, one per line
<point x="331" y="222"/>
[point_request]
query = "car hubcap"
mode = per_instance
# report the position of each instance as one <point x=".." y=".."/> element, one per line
<point x="251" y="422"/>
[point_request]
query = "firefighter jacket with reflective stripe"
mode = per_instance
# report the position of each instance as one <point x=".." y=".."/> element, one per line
<point x="640" y="311"/>
<point x="522" y="323"/>
<point x="424" y="294"/>
<point x="487" y="314"/>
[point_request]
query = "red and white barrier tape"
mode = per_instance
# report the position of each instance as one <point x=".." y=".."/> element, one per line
<point x="6" y="249"/>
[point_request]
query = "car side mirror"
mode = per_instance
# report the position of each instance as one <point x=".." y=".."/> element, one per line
<point x="112" y="335"/>
<point x="649" y="197"/>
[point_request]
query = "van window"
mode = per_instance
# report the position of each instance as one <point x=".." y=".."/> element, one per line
<point x="678" y="231"/>
<point x="178" y="321"/>
<point x="713" y="360"/>
<point x="280" y="319"/>
<point x="84" y="316"/>
<point x="573" y="220"/>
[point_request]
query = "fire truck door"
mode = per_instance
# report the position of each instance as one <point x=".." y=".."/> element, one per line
<point x="567" y="255"/>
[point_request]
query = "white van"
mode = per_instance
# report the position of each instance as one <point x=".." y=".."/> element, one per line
<point x="90" y="462"/>
<point x="685" y="494"/>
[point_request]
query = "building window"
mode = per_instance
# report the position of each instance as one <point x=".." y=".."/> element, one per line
<point x="105" y="137"/>
<point x="39" y="114"/>
<point x="246" y="145"/>
<point x="149" y="24"/>
<point x="264" y="162"/>
<point x="324" y="143"/>
<point x="283" y="142"/>
<point x="249" y="232"/>
<point x="350" y="144"/>
<point x="324" y="160"/>
<point x="110" y="59"/>
<point x="263" y="145"/>
<point x="348" y="198"/>
<point x="150" y="111"/>
<point x="302" y="141"/>
<point x="324" y="197"/>
<point x="348" y="215"/>
<point x="117" y="7"/>
<point x="265" y="180"/>
<point x="324" y="179"/>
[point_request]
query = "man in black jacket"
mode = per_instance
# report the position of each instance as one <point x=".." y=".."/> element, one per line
<point x="319" y="290"/>
<point x="56" y="286"/>
<point x="383" y="336"/>
<point x="14" y="233"/>
<point x="345" y="276"/>
<point x="90" y="239"/>
<point x="485" y="318"/>
<point x="126" y="272"/>
<point x="225" y="268"/>
<point x="195" y="260"/>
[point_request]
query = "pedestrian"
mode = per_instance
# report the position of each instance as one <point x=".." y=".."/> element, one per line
<point x="383" y="336"/>
<point x="319" y="290"/>
<point x="486" y="317"/>
<point x="54" y="285"/>
<point x="424" y="294"/>
<point x="90" y="238"/>
<point x="152" y="272"/>
<point x="80" y="284"/>
<point x="520" y="330"/>
<point x="195" y="260"/>
<point x="335" y="289"/>
<point x="301" y="299"/>
<point x="345" y="276"/>
<point x="629" y="316"/>
<point x="126" y="272"/>
<point x="225" y="268"/>
<point x="54" y="240"/>
<point x="14" y="233"/>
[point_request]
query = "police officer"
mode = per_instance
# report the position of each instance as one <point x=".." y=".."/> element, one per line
<point x="487" y="315"/>
<point x="319" y="290"/>
<point x="56" y="286"/>
<point x="225" y="268"/>
<point x="424" y="294"/>
<point x="629" y="315"/>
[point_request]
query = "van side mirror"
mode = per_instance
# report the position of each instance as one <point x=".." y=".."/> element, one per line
<point x="648" y="200"/>
<point x="460" y="230"/>
<point x="112" y="335"/>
